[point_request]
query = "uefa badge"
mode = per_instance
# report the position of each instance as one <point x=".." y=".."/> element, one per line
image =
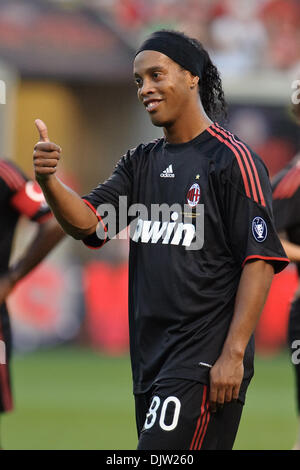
<point x="259" y="229"/>
<point x="193" y="195"/>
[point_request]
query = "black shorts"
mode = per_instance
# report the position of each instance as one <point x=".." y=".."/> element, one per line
<point x="293" y="342"/>
<point x="175" y="415"/>
<point x="6" y="403"/>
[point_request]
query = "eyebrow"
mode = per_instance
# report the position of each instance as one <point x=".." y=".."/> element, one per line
<point x="152" y="69"/>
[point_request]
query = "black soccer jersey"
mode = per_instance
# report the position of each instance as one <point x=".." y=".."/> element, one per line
<point x="184" y="269"/>
<point x="286" y="201"/>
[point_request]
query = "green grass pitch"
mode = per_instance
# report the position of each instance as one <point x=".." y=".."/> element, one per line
<point x="74" y="398"/>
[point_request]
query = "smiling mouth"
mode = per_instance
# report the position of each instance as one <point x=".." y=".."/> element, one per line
<point x="152" y="105"/>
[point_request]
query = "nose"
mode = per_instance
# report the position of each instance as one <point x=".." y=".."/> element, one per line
<point x="146" y="89"/>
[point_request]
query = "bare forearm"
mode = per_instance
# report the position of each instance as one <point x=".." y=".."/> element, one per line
<point x="48" y="236"/>
<point x="292" y="250"/>
<point x="71" y="212"/>
<point x="251" y="296"/>
<point x="227" y="373"/>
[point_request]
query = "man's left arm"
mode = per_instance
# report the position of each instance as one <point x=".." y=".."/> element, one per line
<point x="256" y="248"/>
<point x="48" y="235"/>
<point x="227" y="373"/>
<point x="27" y="200"/>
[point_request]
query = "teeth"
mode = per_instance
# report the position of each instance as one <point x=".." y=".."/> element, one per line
<point x="151" y="105"/>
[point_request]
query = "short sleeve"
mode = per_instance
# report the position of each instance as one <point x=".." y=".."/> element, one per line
<point x="24" y="196"/>
<point x="249" y="215"/>
<point x="110" y="200"/>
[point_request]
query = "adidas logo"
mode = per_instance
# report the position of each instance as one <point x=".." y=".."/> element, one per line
<point x="168" y="173"/>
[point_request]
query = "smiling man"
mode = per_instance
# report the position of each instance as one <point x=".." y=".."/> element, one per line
<point x="192" y="309"/>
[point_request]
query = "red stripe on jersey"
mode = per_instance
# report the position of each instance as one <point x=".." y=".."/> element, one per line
<point x="17" y="179"/>
<point x="289" y="184"/>
<point x="246" y="185"/>
<point x="5" y="388"/>
<point x="100" y="220"/>
<point x="266" y="258"/>
<point x="4" y="174"/>
<point x="282" y="188"/>
<point x="263" y="203"/>
<point x="261" y="194"/>
<point x="207" y="418"/>
<point x="4" y="382"/>
<point x="200" y="420"/>
<point x="227" y="136"/>
<point x="202" y="429"/>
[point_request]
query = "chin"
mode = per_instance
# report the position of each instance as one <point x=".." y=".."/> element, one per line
<point x="159" y="122"/>
<point x="156" y="121"/>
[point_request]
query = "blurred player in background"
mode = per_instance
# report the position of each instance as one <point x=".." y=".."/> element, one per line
<point x="192" y="312"/>
<point x="19" y="197"/>
<point x="286" y="206"/>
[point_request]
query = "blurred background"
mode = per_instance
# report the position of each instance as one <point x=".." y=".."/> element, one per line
<point x="69" y="63"/>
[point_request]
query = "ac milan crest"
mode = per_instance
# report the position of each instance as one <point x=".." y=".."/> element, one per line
<point x="193" y="195"/>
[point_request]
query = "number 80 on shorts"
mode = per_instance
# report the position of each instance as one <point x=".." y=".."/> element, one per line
<point x="159" y="412"/>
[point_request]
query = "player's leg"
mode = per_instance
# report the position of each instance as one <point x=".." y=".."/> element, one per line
<point x="5" y="352"/>
<point x="223" y="427"/>
<point x="294" y="336"/>
<point x="179" y="418"/>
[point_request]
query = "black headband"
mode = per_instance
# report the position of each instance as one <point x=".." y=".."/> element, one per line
<point x="178" y="48"/>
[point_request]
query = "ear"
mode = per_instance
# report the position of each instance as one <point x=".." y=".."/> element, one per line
<point x="194" y="81"/>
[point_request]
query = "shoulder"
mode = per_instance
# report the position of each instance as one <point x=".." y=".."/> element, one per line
<point x="287" y="182"/>
<point x="145" y="148"/>
<point x="233" y="154"/>
<point x="136" y="156"/>
<point x="241" y="166"/>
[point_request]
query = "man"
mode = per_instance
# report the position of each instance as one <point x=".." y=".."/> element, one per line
<point x="286" y="206"/>
<point x="19" y="196"/>
<point x="192" y="308"/>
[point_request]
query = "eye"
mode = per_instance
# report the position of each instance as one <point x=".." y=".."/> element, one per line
<point x="138" y="81"/>
<point x="156" y="75"/>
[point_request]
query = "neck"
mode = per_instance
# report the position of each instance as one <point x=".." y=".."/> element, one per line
<point x="185" y="130"/>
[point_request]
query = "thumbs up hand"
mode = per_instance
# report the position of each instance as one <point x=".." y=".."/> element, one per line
<point x="46" y="154"/>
